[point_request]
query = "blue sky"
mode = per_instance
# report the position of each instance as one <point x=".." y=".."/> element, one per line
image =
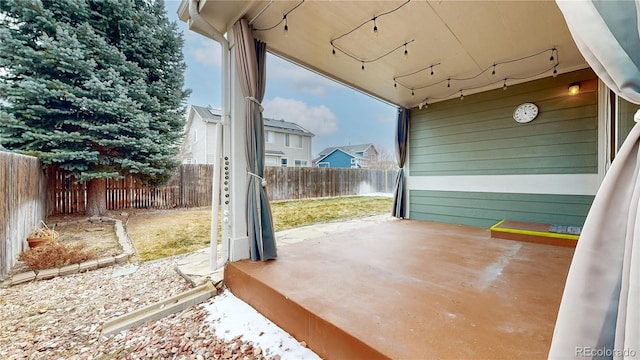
<point x="337" y="115"/>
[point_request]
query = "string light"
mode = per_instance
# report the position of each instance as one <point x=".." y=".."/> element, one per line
<point x="492" y="67"/>
<point x="412" y="93"/>
<point x="552" y="58"/>
<point x="395" y="85"/>
<point x="283" y="20"/>
<point x="417" y="71"/>
<point x="363" y="65"/>
<point x="336" y="47"/>
<point x="461" y="95"/>
<point x="333" y="50"/>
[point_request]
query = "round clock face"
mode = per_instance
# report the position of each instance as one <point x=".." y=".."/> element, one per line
<point x="525" y="113"/>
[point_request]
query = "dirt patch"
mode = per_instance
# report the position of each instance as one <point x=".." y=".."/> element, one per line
<point x="99" y="237"/>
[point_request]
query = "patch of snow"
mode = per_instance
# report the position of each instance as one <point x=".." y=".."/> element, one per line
<point x="230" y="317"/>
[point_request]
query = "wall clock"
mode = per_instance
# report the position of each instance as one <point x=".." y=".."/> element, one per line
<point x="525" y="113"/>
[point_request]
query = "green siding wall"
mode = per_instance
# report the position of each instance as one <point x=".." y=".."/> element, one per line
<point x="486" y="209"/>
<point x="478" y="136"/>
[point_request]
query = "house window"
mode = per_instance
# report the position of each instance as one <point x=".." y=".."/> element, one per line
<point x="269" y="137"/>
<point x="293" y="141"/>
<point x="271" y="160"/>
<point x="283" y="162"/>
<point x="324" y="165"/>
<point x="301" y="163"/>
<point x="189" y="161"/>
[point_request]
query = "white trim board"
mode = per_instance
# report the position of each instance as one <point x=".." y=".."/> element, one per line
<point x="558" y="184"/>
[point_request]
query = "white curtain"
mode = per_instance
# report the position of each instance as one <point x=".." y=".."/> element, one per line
<point x="599" y="315"/>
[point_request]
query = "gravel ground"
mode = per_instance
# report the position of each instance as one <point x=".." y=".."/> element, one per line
<point x="62" y="318"/>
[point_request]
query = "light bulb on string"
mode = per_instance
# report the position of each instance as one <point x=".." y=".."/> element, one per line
<point x="363" y="65"/>
<point x="448" y="83"/>
<point x="395" y="84"/>
<point x="333" y="50"/>
<point x="555" y="71"/>
<point x="431" y="70"/>
<point x="461" y="95"/>
<point x="406" y="53"/>
<point x="286" y="26"/>
<point x="504" y="85"/>
<point x="493" y="72"/>
<point x="412" y="93"/>
<point x="552" y="58"/>
<point x="375" y="27"/>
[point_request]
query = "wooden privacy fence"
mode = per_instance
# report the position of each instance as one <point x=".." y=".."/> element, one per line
<point x="191" y="187"/>
<point x="287" y="183"/>
<point x="23" y="187"/>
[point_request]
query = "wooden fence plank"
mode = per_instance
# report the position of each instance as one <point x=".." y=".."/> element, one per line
<point x="22" y="206"/>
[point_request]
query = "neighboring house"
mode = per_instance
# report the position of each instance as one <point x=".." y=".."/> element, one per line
<point x="286" y="143"/>
<point x="200" y="131"/>
<point x="350" y="156"/>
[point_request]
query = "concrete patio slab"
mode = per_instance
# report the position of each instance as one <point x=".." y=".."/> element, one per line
<point x="410" y="290"/>
<point x="195" y="266"/>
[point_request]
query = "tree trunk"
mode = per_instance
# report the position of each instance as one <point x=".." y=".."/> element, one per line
<point x="96" y="197"/>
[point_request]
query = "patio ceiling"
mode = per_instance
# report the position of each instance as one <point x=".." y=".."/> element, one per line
<point x="460" y="38"/>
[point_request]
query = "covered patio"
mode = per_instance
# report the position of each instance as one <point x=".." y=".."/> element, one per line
<point x="405" y="289"/>
<point x="408" y="289"/>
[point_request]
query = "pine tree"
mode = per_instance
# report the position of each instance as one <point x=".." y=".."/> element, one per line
<point x="93" y="87"/>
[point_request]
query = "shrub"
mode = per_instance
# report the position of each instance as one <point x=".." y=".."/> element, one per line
<point x="55" y="254"/>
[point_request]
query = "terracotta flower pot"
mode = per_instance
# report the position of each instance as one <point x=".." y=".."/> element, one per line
<point x="37" y="241"/>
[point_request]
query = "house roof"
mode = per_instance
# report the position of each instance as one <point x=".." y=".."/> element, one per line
<point x="350" y="149"/>
<point x="286" y="126"/>
<point x="208" y="114"/>
<point x="458" y="40"/>
<point x="335" y="149"/>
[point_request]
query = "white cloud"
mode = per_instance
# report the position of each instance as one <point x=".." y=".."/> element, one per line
<point x="205" y="51"/>
<point x="302" y="79"/>
<point x="320" y="120"/>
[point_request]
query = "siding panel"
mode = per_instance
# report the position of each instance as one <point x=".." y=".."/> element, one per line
<point x="486" y="209"/>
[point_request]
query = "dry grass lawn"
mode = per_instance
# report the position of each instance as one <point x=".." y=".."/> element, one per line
<point x="167" y="233"/>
